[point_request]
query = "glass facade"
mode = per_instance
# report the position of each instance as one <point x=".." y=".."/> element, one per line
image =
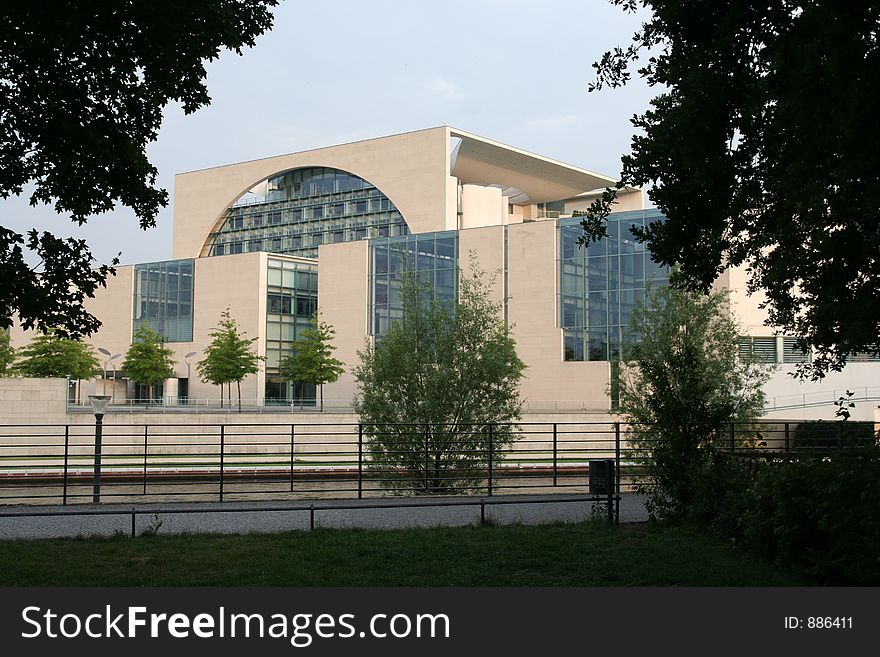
<point x="434" y="256"/>
<point x="291" y="300"/>
<point x="601" y="283"/>
<point x="163" y="298"/>
<point x="303" y="209"/>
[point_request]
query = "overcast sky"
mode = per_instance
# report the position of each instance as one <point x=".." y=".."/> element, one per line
<point x="328" y="73"/>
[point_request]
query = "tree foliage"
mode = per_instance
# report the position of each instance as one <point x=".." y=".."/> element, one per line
<point x="229" y="357"/>
<point x="147" y="360"/>
<point x="438" y="387"/>
<point x="84" y="86"/>
<point x="311" y="359"/>
<point x="762" y="151"/>
<point x="682" y="384"/>
<point x="50" y="355"/>
<point x="7" y="354"/>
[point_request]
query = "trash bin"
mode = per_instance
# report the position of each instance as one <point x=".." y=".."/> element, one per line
<point x="601" y="473"/>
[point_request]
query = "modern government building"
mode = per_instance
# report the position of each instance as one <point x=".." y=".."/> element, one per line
<point x="331" y="230"/>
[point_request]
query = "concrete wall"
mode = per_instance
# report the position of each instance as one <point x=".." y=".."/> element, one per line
<point x="532" y="312"/>
<point x="343" y="297"/>
<point x="784" y="391"/>
<point x="33" y="401"/>
<point x="487" y="244"/>
<point x="482" y="206"/>
<point x="237" y="281"/>
<point x="626" y="200"/>
<point x="411" y="169"/>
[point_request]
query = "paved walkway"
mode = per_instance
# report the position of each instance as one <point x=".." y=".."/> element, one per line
<point x="262" y="516"/>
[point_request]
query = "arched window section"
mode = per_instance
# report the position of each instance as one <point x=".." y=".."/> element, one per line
<point x="296" y="211"/>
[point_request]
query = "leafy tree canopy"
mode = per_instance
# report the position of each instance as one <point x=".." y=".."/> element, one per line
<point x="51" y="355"/>
<point x="311" y="358"/>
<point x="682" y="383"/>
<point x="229" y="357"/>
<point x="84" y="85"/>
<point x="763" y="151"/>
<point x="7" y="354"/>
<point x="148" y="361"/>
<point x="433" y="384"/>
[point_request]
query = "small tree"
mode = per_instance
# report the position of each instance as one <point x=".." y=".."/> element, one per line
<point x="147" y="361"/>
<point x="7" y="354"/>
<point x="682" y="384"/>
<point x="311" y="359"/>
<point x="49" y="355"/>
<point x="229" y="357"/>
<point x="440" y="389"/>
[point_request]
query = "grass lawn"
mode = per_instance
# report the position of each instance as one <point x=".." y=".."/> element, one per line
<point x="585" y="554"/>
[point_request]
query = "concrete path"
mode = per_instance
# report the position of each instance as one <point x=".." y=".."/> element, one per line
<point x="263" y="516"/>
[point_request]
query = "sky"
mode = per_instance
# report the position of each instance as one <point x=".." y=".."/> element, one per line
<point x="330" y="73"/>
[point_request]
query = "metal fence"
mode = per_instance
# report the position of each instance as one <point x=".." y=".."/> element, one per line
<point x="76" y="464"/>
<point x="177" y="404"/>
<point x="69" y="464"/>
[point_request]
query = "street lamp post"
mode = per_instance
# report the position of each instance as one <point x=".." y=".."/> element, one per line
<point x="99" y="406"/>
<point x="113" y="385"/>
<point x="104" y="373"/>
<point x="188" y="378"/>
<point x="109" y="361"/>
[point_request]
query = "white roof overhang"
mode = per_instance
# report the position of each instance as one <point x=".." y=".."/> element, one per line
<point x="481" y="161"/>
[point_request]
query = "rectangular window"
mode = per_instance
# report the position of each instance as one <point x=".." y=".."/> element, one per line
<point x="763" y="349"/>
<point x="573" y="345"/>
<point x="163" y="298"/>
<point x="609" y="276"/>
<point x="432" y="257"/>
<point x="791" y="353"/>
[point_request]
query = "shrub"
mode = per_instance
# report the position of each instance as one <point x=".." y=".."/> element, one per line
<point x="822" y="434"/>
<point x="820" y="515"/>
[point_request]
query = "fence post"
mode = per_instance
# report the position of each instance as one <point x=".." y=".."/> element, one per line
<point x="222" y="450"/>
<point x="360" y="461"/>
<point x="554" y="454"/>
<point x="787" y="439"/>
<point x="732" y="437"/>
<point x="426" y="457"/>
<point x="609" y="486"/>
<point x="490" y="459"/>
<point x="66" y="458"/>
<point x="617" y="472"/>
<point x="292" y="430"/>
<point x="146" y="431"/>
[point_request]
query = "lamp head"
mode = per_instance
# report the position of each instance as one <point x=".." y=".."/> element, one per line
<point x="99" y="404"/>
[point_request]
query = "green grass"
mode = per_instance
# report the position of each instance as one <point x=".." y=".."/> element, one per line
<point x="585" y="554"/>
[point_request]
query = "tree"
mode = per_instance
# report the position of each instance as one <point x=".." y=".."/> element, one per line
<point x="311" y="359"/>
<point x="229" y="357"/>
<point x="440" y="389"/>
<point x="7" y="354"/>
<point x="147" y="361"/>
<point x="84" y="86"/>
<point x="682" y="384"/>
<point x="758" y="154"/>
<point x="51" y="356"/>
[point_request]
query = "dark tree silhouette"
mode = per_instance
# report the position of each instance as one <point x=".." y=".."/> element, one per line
<point x="83" y="88"/>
